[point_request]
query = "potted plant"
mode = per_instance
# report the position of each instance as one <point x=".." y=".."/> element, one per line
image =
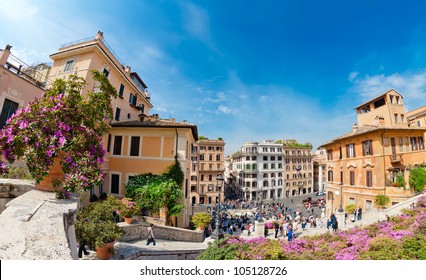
<point x="127" y="210"/>
<point x="400" y="181"/>
<point x="59" y="134"/>
<point x="201" y="220"/>
<point x="96" y="227"/>
<point x="382" y="200"/>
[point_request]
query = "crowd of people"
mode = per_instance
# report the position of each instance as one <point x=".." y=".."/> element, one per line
<point x="284" y="219"/>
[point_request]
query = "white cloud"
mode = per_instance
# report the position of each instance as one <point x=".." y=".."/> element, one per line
<point x="353" y="75"/>
<point x="17" y="11"/>
<point x="243" y="96"/>
<point x="196" y="21"/>
<point x="409" y="85"/>
<point x="224" y="109"/>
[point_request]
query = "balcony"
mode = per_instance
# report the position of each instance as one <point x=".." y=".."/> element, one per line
<point x="395" y="159"/>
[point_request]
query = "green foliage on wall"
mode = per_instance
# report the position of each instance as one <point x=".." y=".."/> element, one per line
<point x="417" y="179"/>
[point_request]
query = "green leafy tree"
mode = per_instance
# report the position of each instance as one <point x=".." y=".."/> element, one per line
<point x="417" y="179"/>
<point x="382" y="200"/>
<point x="152" y="192"/>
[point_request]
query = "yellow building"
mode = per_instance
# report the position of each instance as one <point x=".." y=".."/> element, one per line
<point x="79" y="57"/>
<point x="366" y="161"/>
<point x="208" y="161"/>
<point x="149" y="146"/>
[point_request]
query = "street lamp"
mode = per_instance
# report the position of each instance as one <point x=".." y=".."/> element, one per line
<point x="217" y="234"/>
<point x="341" y="198"/>
<point x="331" y="197"/>
<point x="260" y="195"/>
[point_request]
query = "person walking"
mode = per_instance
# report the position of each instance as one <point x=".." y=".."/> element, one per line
<point x="151" y="237"/>
<point x="359" y="213"/>
<point x="277" y="228"/>
<point x="290" y="235"/>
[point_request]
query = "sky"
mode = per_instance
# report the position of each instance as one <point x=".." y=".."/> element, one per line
<point x="244" y="70"/>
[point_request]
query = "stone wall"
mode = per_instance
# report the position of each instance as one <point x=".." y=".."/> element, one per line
<point x="138" y="230"/>
<point x="12" y="188"/>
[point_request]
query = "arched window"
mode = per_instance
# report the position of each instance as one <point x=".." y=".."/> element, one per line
<point x="265" y="175"/>
<point x="273" y="183"/>
<point x="280" y="174"/>
<point x="265" y="183"/>
<point x="294" y="176"/>
<point x="280" y="182"/>
<point x="330" y="176"/>
<point x="272" y="175"/>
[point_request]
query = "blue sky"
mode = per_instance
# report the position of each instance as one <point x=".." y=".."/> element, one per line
<point x="244" y="70"/>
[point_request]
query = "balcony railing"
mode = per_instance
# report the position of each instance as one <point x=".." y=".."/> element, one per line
<point x="394" y="158"/>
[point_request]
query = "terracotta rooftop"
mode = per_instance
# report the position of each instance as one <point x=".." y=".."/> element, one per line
<point x="158" y="123"/>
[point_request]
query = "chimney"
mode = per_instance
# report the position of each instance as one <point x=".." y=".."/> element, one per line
<point x="99" y="36"/>
<point x="354" y="127"/>
<point x="380" y="120"/>
<point x="4" y="55"/>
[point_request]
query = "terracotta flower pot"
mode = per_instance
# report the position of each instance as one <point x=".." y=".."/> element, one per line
<point x="55" y="172"/>
<point x="105" y="252"/>
<point x="128" y="220"/>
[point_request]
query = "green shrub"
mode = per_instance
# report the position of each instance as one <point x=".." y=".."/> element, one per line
<point x="382" y="200"/>
<point x="201" y="219"/>
<point x="350" y="208"/>
<point x="417" y="179"/>
<point x="415" y="247"/>
<point x="383" y="248"/>
<point x="18" y="172"/>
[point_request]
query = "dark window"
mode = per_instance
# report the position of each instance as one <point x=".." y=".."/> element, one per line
<point x="109" y="143"/>
<point x="117" y="114"/>
<point x="132" y="99"/>
<point x="379" y="103"/>
<point x="350" y="150"/>
<point x="352" y="178"/>
<point x="115" y="183"/>
<point x="117" y="145"/>
<point x="9" y="108"/>
<point x="134" y="145"/>
<point x="106" y="72"/>
<point x="217" y="157"/>
<point x="367" y="148"/>
<point x="329" y="154"/>
<point x="369" y="178"/>
<point x="340" y="153"/>
<point x="421" y="143"/>
<point x="210" y="157"/>
<point x="121" y="91"/>
<point x="69" y="65"/>
<point x="414" y="146"/>
<point x="330" y="176"/>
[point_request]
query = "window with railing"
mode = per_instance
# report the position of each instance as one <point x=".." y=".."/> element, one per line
<point x="367" y="148"/>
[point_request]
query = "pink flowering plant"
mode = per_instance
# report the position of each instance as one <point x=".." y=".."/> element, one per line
<point x="64" y="123"/>
<point x="402" y="237"/>
<point x="128" y="208"/>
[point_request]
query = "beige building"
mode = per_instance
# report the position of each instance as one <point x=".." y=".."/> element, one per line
<point x="17" y="89"/>
<point x="207" y="162"/>
<point x="79" y="57"/>
<point x="298" y="168"/>
<point x="417" y="117"/>
<point x="366" y="161"/>
<point x="320" y="163"/>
